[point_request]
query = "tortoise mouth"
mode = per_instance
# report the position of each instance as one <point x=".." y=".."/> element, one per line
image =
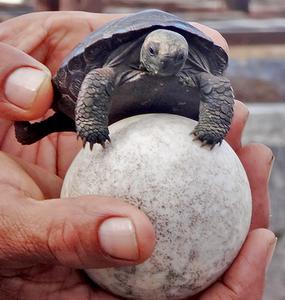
<point x="166" y="68"/>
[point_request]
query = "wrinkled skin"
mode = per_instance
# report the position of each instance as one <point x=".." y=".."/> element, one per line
<point x="31" y="270"/>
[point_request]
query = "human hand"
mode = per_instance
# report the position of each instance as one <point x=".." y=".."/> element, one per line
<point x="245" y="279"/>
<point x="55" y="37"/>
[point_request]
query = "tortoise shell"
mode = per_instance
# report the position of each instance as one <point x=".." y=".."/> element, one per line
<point x="96" y="48"/>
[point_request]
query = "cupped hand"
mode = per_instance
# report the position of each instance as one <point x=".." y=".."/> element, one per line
<point x="245" y="279"/>
<point x="42" y="243"/>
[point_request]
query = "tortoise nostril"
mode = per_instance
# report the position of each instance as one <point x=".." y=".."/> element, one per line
<point x="164" y="64"/>
<point x="179" y="57"/>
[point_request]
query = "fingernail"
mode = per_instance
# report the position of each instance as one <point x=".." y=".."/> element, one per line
<point x="117" y="238"/>
<point x="23" y="85"/>
<point x="270" y="252"/>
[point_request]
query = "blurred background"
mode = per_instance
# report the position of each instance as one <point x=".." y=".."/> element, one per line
<point x="255" y="31"/>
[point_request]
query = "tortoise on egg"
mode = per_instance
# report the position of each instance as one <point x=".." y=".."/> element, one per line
<point x="147" y="62"/>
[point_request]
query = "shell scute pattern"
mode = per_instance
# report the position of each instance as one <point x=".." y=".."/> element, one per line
<point x="94" y="50"/>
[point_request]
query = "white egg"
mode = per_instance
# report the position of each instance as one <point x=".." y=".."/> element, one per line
<point x="198" y="200"/>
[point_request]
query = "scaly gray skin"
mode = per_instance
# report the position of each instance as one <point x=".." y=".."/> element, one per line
<point x="147" y="70"/>
<point x="163" y="54"/>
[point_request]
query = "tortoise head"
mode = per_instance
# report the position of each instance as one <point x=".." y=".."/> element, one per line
<point x="164" y="52"/>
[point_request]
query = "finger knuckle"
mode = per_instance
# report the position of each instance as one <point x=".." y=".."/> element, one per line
<point x="65" y="243"/>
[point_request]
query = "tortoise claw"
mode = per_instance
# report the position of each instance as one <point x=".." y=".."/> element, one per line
<point x="204" y="143"/>
<point x="214" y="144"/>
<point x="95" y="137"/>
<point x="84" y="141"/>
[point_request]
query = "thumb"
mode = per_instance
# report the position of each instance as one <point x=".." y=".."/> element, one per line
<point x="25" y="85"/>
<point x="88" y="232"/>
<point x="83" y="232"/>
<point x="246" y="277"/>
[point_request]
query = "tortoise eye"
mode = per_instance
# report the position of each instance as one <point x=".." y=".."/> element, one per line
<point x="152" y="51"/>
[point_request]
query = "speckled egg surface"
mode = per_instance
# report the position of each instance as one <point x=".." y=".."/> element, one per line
<point x="198" y="200"/>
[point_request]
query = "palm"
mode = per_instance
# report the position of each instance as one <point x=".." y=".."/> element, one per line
<point x="53" y="153"/>
<point x="53" y="282"/>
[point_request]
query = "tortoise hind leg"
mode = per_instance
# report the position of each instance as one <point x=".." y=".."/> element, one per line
<point x="28" y="133"/>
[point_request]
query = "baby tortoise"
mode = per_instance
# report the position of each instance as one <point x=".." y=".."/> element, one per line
<point x="147" y="62"/>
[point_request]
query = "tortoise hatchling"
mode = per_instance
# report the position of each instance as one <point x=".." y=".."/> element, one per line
<point x="147" y="62"/>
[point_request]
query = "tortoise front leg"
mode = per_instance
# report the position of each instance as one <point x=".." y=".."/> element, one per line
<point x="216" y="108"/>
<point x="93" y="106"/>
